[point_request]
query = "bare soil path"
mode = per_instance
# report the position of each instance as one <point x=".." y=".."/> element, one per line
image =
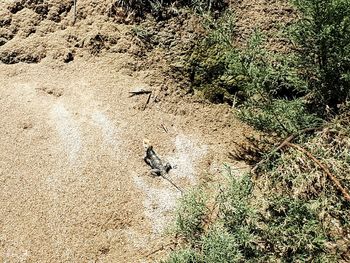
<point x="73" y="185"/>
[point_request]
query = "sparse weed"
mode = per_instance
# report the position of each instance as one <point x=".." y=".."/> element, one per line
<point x="189" y="221"/>
<point x="184" y="256"/>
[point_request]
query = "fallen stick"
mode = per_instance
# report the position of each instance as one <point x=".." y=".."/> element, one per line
<point x="75" y="12"/>
<point x="286" y="141"/>
<point x="323" y="167"/>
<point x="148" y="99"/>
<point x="164" y="128"/>
<point x="139" y="92"/>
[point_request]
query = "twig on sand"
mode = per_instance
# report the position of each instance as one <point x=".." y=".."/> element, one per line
<point x="75" y="12"/>
<point x="164" y="128"/>
<point x="139" y="92"/>
<point x="323" y="167"/>
<point x="148" y="99"/>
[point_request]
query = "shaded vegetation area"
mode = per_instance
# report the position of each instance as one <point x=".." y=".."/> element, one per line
<point x="280" y="92"/>
<point x="164" y="9"/>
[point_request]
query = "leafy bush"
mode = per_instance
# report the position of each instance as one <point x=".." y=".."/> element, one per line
<point x="294" y="231"/>
<point x="280" y="116"/>
<point x="323" y="37"/>
<point x="266" y="86"/>
<point x="246" y="71"/>
<point x="220" y="246"/>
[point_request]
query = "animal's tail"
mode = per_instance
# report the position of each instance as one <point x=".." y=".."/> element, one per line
<point x="170" y="181"/>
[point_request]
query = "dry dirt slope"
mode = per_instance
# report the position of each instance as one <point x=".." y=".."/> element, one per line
<point x="73" y="186"/>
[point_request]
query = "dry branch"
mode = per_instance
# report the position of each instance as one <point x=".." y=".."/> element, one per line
<point x="139" y="92"/>
<point x="323" y="167"/>
<point x="164" y="128"/>
<point x="75" y="11"/>
<point x="148" y="99"/>
<point x="284" y="143"/>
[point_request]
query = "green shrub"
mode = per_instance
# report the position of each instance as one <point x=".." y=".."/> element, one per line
<point x="183" y="256"/>
<point x="266" y="86"/>
<point x="278" y="92"/>
<point x="264" y="227"/>
<point x="190" y="216"/>
<point x="220" y="246"/>
<point x="279" y="116"/>
<point x="323" y="37"/>
<point x="291" y="211"/>
<point x="294" y="231"/>
<point x="246" y="71"/>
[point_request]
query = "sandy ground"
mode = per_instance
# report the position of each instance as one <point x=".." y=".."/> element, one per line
<point x="73" y="185"/>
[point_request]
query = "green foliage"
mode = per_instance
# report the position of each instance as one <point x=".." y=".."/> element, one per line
<point x="183" y="256"/>
<point x="278" y="92"/>
<point x="220" y="246"/>
<point x="292" y="212"/>
<point x="189" y="222"/>
<point x="280" y="116"/>
<point x="256" y="226"/>
<point x="323" y="34"/>
<point x="245" y="71"/>
<point x="239" y="217"/>
<point x="209" y="61"/>
<point x="316" y="201"/>
<point x="294" y="231"/>
<point x="266" y="86"/>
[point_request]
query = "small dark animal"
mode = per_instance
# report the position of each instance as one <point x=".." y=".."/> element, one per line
<point x="158" y="167"/>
